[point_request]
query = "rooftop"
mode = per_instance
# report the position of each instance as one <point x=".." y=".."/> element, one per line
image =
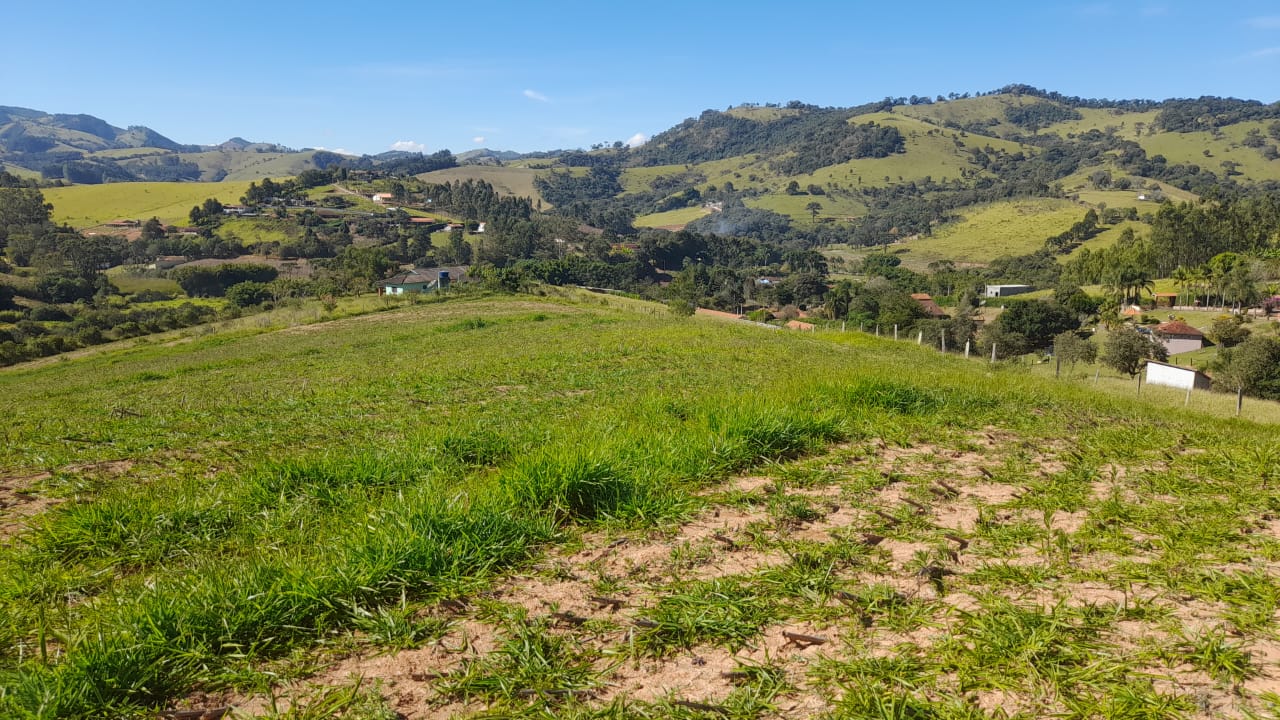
<point x="1177" y="327"/>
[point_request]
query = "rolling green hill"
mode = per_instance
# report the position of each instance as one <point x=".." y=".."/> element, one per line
<point x="89" y="205"/>
<point x="514" y="181"/>
<point x="320" y="515"/>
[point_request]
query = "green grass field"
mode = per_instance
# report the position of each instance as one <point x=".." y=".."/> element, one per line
<point x="245" y="166"/>
<point x="794" y="206"/>
<point x="1125" y="123"/>
<point x="1190" y="148"/>
<point x="505" y="180"/>
<point x="20" y="171"/>
<point x="128" y="282"/>
<point x="671" y="218"/>
<point x="1006" y="228"/>
<point x="505" y="506"/>
<point x="87" y="205"/>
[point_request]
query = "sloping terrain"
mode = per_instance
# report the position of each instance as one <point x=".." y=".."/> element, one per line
<point x="89" y="205"/>
<point x="515" y="181"/>
<point x="538" y="507"/>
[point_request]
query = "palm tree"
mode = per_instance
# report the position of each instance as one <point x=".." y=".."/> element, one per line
<point x="1183" y="279"/>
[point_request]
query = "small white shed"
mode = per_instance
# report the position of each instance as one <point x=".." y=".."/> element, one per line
<point x="1183" y="378"/>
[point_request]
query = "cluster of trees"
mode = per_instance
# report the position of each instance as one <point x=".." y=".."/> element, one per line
<point x="213" y="281"/>
<point x="1036" y="115"/>
<point x="835" y="144"/>
<point x="266" y="191"/>
<point x="1187" y="234"/>
<point x="717" y="135"/>
<point x="1205" y="113"/>
<point x="565" y="188"/>
<point x="32" y="335"/>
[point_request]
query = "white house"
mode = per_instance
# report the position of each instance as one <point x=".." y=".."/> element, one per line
<point x="420" y="280"/>
<point x="382" y="198"/>
<point x="1183" y="378"/>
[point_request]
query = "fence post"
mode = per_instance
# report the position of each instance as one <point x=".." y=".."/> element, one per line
<point x="944" y="341"/>
<point x="993" y="353"/>
<point x="895" y="331"/>
<point x="920" y="338"/>
<point x="966" y="349"/>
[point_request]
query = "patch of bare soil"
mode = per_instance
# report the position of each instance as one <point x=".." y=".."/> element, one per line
<point x="923" y="522"/>
<point x="18" y="502"/>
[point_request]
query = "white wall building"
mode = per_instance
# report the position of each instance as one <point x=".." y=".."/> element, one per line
<point x="1183" y="378"/>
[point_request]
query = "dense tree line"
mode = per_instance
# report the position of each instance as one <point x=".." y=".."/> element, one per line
<point x="1186" y="234"/>
<point x="477" y="200"/>
<point x="1035" y="115"/>
<point x="832" y="144"/>
<point x="1206" y="113"/>
<point x="716" y="135"/>
<point x="566" y="188"/>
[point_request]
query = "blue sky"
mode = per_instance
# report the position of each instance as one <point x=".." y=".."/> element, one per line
<point x="366" y="77"/>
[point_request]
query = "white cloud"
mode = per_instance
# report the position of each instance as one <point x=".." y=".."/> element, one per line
<point x="535" y="95"/>
<point x="1270" y="22"/>
<point x="408" y="146"/>
<point x="637" y="140"/>
<point x="340" y="151"/>
<point x="479" y="139"/>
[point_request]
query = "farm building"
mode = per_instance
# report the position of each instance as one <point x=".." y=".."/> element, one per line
<point x="419" y="280"/>
<point x="382" y="198"/>
<point x="928" y="305"/>
<point x="167" y="262"/>
<point x="1183" y="378"/>
<point x="995" y="291"/>
<point x="1179" y="337"/>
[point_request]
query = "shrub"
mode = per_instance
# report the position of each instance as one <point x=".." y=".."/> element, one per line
<point x="247" y="294"/>
<point x="146" y="296"/>
<point x="45" y="313"/>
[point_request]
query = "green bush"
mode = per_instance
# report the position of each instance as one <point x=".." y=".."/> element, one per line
<point x="248" y="294"/>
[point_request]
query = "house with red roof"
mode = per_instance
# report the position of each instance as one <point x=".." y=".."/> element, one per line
<point x="1178" y="337"/>
<point x="929" y="306"/>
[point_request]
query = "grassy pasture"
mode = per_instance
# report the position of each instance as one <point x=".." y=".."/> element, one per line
<point x="506" y="180"/>
<point x="234" y="511"/>
<point x="235" y="165"/>
<point x="1125" y="123"/>
<point x="682" y="216"/>
<point x="1013" y="227"/>
<point x="1190" y="148"/>
<point x="794" y="206"/>
<point x="132" y="283"/>
<point x="88" y="205"/>
<point x="20" y="171"/>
